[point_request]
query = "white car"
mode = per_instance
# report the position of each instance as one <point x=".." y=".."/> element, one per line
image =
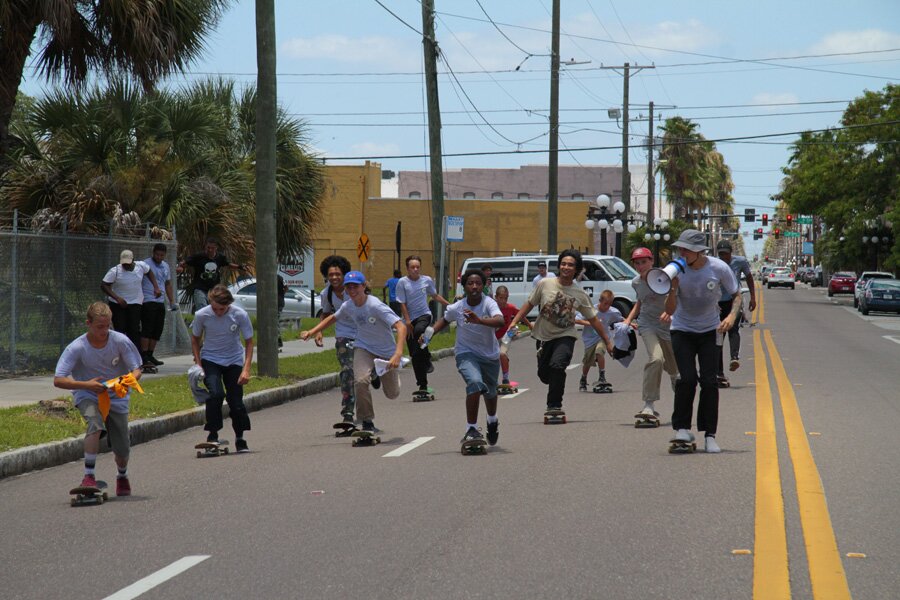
<point x="297" y="301"/>
<point x="780" y="276"/>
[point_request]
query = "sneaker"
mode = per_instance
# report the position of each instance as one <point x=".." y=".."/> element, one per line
<point x="711" y="446"/>
<point x="213" y="437"/>
<point x="505" y="381"/>
<point x="648" y="409"/>
<point x="348" y="419"/>
<point x="601" y="380"/>
<point x="156" y="361"/>
<point x="493" y="432"/>
<point x="582" y="385"/>
<point x="722" y="382"/>
<point x="684" y="435"/>
<point x="430" y="367"/>
<point x="734" y="365"/>
<point x="123" y="486"/>
<point x="89" y="481"/>
<point x="375" y="380"/>
<point x="369" y="426"/>
<point x="472" y="434"/>
<point x="240" y="446"/>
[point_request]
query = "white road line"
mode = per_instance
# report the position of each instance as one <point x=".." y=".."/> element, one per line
<point x="151" y="581"/>
<point x="893" y="338"/>
<point x="407" y="447"/>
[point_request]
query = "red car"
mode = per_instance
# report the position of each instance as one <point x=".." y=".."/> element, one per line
<point x="842" y="282"/>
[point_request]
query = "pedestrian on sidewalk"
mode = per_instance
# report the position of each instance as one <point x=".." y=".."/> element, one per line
<point x="389" y="292"/>
<point x="693" y="303"/>
<point x="594" y="352"/>
<point x="477" y="319"/>
<point x="649" y="317"/>
<point x="559" y="299"/>
<point x="123" y="286"/>
<point x="738" y="265"/>
<point x="225" y="364"/>
<point x="333" y="268"/>
<point x="90" y="360"/>
<point x="207" y="268"/>
<point x="153" y="310"/>
<point x="376" y="325"/>
<point x="413" y="292"/>
<point x="508" y="310"/>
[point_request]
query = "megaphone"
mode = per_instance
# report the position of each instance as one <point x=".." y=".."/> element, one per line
<point x="660" y="280"/>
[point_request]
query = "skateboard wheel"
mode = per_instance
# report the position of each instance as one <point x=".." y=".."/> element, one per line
<point x="199" y="454"/>
<point x="99" y="499"/>
<point x="73" y="502"/>
<point x="225" y="451"/>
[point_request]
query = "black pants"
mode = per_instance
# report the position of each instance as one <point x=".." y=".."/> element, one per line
<point x="222" y="383"/>
<point x="127" y="319"/>
<point x="734" y="335"/>
<point x="691" y="349"/>
<point x="554" y="357"/>
<point x="421" y="357"/>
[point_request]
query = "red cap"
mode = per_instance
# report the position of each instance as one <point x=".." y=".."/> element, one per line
<point x="641" y="253"/>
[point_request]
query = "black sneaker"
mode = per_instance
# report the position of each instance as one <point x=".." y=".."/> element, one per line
<point x="213" y="438"/>
<point x="156" y="361"/>
<point x="375" y="380"/>
<point x="348" y="419"/>
<point x="582" y="385"/>
<point x="240" y="445"/>
<point x="370" y="427"/>
<point x="472" y="434"/>
<point x="493" y="432"/>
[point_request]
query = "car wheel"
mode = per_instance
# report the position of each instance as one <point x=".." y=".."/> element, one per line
<point x="855" y="303"/>
<point x="622" y="306"/>
<point x="830" y="293"/>
<point x="864" y="311"/>
<point x="792" y="287"/>
<point x="768" y="286"/>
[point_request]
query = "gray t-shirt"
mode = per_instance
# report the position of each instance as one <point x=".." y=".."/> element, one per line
<point x="162" y="273"/>
<point x="652" y="306"/>
<point x="699" y="291"/>
<point x="222" y="335"/>
<point x="374" y="322"/>
<point x="589" y="335"/>
<point x="479" y="340"/>
<point x="738" y="265"/>
<point x="83" y="362"/>
<point x="415" y="295"/>
<point x="345" y="328"/>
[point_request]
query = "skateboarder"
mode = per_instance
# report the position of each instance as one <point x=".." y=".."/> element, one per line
<point x="333" y="269"/>
<point x="693" y="303"/>
<point x="226" y="366"/>
<point x="153" y="311"/>
<point x="83" y="367"/>
<point x="477" y="318"/>
<point x="559" y="298"/>
<point x="652" y="321"/>
<point x="207" y="267"/>
<point x="501" y="297"/>
<point x="738" y="265"/>
<point x="122" y="285"/>
<point x="376" y="324"/>
<point x="593" y="351"/>
<point x="413" y="292"/>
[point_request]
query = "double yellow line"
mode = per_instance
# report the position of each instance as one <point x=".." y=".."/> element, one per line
<point x="771" y="579"/>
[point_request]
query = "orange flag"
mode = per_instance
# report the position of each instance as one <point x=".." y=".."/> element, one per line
<point x="119" y="386"/>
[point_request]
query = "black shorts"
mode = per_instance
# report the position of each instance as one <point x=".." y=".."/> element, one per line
<point x="153" y="318"/>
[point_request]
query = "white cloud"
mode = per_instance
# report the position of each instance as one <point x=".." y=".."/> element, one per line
<point x="366" y="49"/>
<point x="774" y="98"/>
<point x="856" y="41"/>
<point x="374" y="149"/>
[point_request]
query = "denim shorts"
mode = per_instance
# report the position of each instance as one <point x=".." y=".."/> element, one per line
<point x="480" y="374"/>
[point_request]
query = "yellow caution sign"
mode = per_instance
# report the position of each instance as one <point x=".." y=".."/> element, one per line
<point x="363" y="248"/>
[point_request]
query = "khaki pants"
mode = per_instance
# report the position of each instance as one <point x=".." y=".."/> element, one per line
<point x="363" y="365"/>
<point x="660" y="357"/>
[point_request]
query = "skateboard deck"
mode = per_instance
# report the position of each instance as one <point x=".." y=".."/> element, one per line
<point x="149" y="368"/>
<point x="82" y="495"/>
<point x="680" y="447"/>
<point x="211" y="448"/>
<point x="472" y="447"/>
<point x="644" y="421"/>
<point x="423" y="396"/>
<point x="365" y="438"/>
<point x="602" y="388"/>
<point x="508" y="388"/>
<point x="344" y="429"/>
<point x="555" y="417"/>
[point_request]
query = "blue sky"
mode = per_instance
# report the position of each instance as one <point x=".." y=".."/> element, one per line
<point x="338" y="60"/>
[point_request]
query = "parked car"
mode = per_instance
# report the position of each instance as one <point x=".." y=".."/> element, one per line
<point x="805" y="274"/>
<point x="780" y="276"/>
<point x="297" y="301"/>
<point x="764" y="270"/>
<point x="842" y="282"/>
<point x="881" y="295"/>
<point x="863" y="280"/>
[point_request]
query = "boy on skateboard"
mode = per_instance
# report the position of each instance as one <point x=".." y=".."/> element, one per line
<point x="559" y="298"/>
<point x="477" y="352"/>
<point x="501" y="297"/>
<point x="652" y="321"/>
<point x="375" y="324"/>
<point x="593" y="351"/>
<point x="333" y="268"/>
<point x="412" y="294"/>
<point x="226" y="366"/>
<point x="83" y="367"/>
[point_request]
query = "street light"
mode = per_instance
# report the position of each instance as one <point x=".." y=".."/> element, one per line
<point x="600" y="215"/>
<point x="659" y="227"/>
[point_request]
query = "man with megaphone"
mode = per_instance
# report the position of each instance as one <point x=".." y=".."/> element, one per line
<point x="693" y="302"/>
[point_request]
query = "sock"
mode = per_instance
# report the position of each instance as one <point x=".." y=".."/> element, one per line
<point x="492" y="419"/>
<point x="505" y="375"/>
<point x="602" y="374"/>
<point x="583" y="378"/>
<point x="469" y="425"/>
<point x="122" y="472"/>
<point x="90" y="461"/>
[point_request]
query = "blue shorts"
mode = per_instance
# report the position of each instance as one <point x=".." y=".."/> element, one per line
<point x="480" y="374"/>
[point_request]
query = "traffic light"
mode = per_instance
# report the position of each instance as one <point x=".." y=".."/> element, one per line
<point x="749" y="215"/>
<point x="765" y="219"/>
<point x="790" y="220"/>
<point x="777" y="233"/>
<point x="757" y="233"/>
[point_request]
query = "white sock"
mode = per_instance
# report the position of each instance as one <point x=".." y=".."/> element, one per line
<point x="492" y="419"/>
<point x="468" y="425"/>
<point x="648" y="404"/>
<point x="90" y="461"/>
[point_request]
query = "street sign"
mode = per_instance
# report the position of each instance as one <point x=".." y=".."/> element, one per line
<point x="363" y="248"/>
<point x="804" y="220"/>
<point x="791" y="234"/>
<point x="455" y="229"/>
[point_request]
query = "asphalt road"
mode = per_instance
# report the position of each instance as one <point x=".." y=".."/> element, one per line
<point x="591" y="509"/>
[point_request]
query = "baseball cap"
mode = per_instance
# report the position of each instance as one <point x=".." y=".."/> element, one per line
<point x="126" y="258"/>
<point x="354" y="277"/>
<point x="723" y="246"/>
<point x="542" y="264"/>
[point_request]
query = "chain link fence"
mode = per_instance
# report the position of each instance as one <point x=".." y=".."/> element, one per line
<point x="47" y="282"/>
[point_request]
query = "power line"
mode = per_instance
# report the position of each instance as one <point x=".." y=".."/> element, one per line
<point x="396" y="16"/>
<point x="501" y="32"/>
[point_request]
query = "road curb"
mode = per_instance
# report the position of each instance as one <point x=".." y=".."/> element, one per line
<point x="52" y="454"/>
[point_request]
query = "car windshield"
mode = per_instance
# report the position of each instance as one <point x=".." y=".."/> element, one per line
<point x="618" y="269"/>
<point x="887" y="284"/>
<point x="842" y="274"/>
<point x="781" y="271"/>
<point x="879" y="276"/>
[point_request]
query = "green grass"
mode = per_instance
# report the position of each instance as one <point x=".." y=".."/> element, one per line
<point x="27" y="425"/>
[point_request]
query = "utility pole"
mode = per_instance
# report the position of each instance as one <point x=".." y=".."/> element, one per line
<point x="553" y="159"/>
<point x="651" y="179"/>
<point x="434" y="136"/>
<point x="626" y="175"/>
<point x="266" y="245"/>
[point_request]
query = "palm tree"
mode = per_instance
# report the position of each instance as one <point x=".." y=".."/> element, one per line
<point x="147" y="39"/>
<point x="684" y="152"/>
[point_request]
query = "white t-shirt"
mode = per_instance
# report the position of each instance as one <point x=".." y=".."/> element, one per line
<point x="415" y="295"/>
<point x="222" y="335"/>
<point x="374" y="322"/>
<point x="83" y="362"/>
<point x="480" y="340"/>
<point x="609" y="318"/>
<point x="537" y="278"/>
<point x="344" y="328"/>
<point x="699" y="291"/>
<point x="127" y="284"/>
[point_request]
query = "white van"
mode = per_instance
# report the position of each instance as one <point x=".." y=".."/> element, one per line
<point x="600" y="273"/>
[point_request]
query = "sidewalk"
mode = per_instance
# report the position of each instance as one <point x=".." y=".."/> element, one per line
<point x="30" y="390"/>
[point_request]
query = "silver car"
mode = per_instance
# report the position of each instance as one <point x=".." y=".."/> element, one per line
<point x="781" y="276"/>
<point x="298" y="302"/>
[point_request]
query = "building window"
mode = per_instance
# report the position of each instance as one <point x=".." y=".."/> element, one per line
<point x="524" y="195"/>
<point x="497" y="195"/>
<point x="415" y="195"/>
<point x="577" y="196"/>
<point x="468" y="195"/>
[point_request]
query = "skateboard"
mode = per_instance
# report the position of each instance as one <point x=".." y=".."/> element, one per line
<point x="149" y="368"/>
<point x="472" y="447"/>
<point x="508" y="388"/>
<point x="212" y="448"/>
<point x="681" y="447"/>
<point x="423" y="395"/>
<point x="645" y="421"/>
<point x="89" y="495"/>
<point x="365" y="438"/>
<point x="555" y="416"/>
<point x="344" y="429"/>
<point x="602" y="388"/>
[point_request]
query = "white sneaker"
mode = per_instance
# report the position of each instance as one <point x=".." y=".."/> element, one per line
<point x="711" y="446"/>
<point x="684" y="435"/>
<point x="648" y="409"/>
